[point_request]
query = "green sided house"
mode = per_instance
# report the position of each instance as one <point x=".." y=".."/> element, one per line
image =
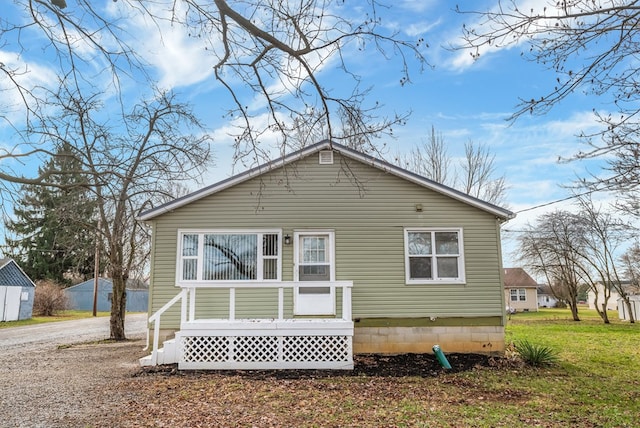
<point x="327" y="252"/>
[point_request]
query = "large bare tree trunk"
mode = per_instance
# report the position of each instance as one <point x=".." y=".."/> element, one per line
<point x="604" y="314"/>
<point x="118" y="308"/>
<point x="574" y="311"/>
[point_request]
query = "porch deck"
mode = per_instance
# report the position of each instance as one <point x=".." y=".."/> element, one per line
<point x="275" y="343"/>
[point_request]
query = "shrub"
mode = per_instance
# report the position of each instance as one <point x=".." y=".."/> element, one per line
<point x="535" y="355"/>
<point x="49" y="299"/>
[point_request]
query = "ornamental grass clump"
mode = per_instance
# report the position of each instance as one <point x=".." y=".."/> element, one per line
<point x="535" y="355"/>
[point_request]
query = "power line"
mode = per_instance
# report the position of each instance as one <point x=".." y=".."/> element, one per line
<point x="546" y="204"/>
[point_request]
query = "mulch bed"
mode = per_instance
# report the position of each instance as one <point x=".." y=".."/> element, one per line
<point x="371" y="365"/>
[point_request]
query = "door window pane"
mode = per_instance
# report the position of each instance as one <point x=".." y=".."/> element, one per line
<point x="314" y="273"/>
<point x="313" y="249"/>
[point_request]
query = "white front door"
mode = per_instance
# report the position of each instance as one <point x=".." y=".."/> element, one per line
<point x="314" y="262"/>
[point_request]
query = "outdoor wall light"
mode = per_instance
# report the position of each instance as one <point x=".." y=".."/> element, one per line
<point x="287" y="239"/>
<point x="418" y="208"/>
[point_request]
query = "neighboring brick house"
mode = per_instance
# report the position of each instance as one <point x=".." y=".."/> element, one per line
<point x="520" y="290"/>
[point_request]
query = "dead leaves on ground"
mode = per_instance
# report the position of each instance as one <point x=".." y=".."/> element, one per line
<point x="406" y="390"/>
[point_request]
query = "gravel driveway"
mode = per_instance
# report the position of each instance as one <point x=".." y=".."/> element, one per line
<point x="50" y="375"/>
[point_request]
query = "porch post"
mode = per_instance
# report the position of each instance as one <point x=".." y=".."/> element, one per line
<point x="156" y="339"/>
<point x="183" y="306"/>
<point x="346" y="303"/>
<point x="280" y="303"/>
<point x="232" y="303"/>
<point x="192" y="304"/>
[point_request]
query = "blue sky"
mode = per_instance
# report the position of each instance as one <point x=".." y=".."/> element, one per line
<point x="463" y="100"/>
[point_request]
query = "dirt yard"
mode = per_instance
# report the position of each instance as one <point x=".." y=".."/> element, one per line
<point x="100" y="384"/>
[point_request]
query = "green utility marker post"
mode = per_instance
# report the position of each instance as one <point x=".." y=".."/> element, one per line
<point x="440" y="356"/>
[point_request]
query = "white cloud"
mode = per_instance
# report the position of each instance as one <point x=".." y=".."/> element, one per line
<point x="463" y="59"/>
<point x="31" y="75"/>
<point x="416" y="6"/>
<point x="179" y="59"/>
<point x="421" y="28"/>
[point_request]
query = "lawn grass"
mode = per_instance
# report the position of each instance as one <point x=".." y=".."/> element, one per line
<point x="62" y="316"/>
<point x="596" y="383"/>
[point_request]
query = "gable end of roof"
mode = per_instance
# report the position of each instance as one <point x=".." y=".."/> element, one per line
<point x="500" y="213"/>
<point x="12" y="275"/>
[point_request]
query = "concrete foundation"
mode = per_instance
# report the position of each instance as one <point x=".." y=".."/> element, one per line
<point x="400" y="340"/>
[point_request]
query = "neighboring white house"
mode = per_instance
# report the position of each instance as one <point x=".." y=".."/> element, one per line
<point x="615" y="301"/>
<point x="612" y="303"/>
<point x="546" y="299"/>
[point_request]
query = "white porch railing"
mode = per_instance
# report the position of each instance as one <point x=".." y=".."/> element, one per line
<point x="279" y="331"/>
<point x="155" y="320"/>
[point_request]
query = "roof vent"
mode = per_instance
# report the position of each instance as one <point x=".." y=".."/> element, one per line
<point x="325" y="157"/>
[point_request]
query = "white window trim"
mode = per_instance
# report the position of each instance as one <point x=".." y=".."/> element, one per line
<point x="199" y="257"/>
<point x="461" y="265"/>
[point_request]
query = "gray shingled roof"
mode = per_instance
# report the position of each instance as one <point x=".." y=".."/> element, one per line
<point x="12" y="275"/>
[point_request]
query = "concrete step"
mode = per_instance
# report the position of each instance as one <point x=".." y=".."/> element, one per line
<point x="165" y="355"/>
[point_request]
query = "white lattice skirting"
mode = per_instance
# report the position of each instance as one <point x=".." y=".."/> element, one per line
<point x="277" y="345"/>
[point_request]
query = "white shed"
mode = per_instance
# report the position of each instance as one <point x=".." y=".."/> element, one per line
<point x="623" y="312"/>
<point x="16" y="292"/>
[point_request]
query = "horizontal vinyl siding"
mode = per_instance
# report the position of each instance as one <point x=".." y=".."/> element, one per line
<point x="368" y="216"/>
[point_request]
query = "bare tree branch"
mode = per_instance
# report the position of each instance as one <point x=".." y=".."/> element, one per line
<point x="592" y="46"/>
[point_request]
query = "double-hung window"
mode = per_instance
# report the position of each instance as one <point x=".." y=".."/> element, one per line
<point x="229" y="256"/>
<point x="434" y="256"/>
<point x="518" y="294"/>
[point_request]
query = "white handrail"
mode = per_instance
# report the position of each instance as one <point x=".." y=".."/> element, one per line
<point x="155" y="319"/>
<point x="280" y="285"/>
<point x="263" y="284"/>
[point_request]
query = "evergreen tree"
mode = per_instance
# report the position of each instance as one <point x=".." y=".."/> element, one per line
<point x="52" y="235"/>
